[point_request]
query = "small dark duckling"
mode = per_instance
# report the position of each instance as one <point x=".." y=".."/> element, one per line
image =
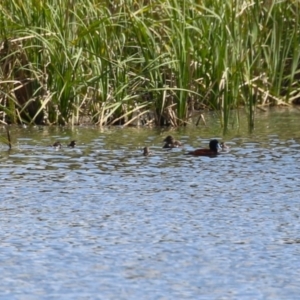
<point x="213" y="150"/>
<point x="146" y="151"/>
<point x="72" y="144"/>
<point x="170" y="142"/>
<point x="57" y="145"/>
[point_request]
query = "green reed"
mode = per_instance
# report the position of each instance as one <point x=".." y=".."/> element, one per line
<point x="155" y="62"/>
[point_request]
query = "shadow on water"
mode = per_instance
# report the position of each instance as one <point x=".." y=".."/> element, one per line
<point x="103" y="221"/>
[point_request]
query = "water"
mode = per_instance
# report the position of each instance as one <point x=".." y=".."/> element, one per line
<point x="103" y="222"/>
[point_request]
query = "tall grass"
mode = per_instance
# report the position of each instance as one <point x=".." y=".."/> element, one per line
<point x="146" y="62"/>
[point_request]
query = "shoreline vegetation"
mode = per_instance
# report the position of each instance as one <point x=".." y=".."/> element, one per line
<point x="144" y="62"/>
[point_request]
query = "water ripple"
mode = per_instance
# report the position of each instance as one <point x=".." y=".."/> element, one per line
<point x="102" y="223"/>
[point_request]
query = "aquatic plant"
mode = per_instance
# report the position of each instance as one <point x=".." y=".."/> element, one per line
<point x="6" y="139"/>
<point x="146" y="62"/>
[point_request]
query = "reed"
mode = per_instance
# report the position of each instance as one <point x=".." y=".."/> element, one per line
<point x="6" y="139"/>
<point x="146" y="62"/>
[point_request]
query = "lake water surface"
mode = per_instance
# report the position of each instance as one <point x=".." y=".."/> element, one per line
<point x="103" y="222"/>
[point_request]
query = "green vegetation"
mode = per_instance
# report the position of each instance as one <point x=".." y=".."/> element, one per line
<point x="6" y="139"/>
<point x="156" y="62"/>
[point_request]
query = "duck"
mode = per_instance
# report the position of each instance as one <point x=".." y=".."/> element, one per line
<point x="214" y="148"/>
<point x="72" y="144"/>
<point x="170" y="142"/>
<point x="56" y="145"/>
<point x="146" y="151"/>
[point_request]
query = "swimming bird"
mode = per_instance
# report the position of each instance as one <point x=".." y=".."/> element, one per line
<point x="213" y="150"/>
<point x="146" y="151"/>
<point x="170" y="142"/>
<point x="57" y="145"/>
<point x="72" y="144"/>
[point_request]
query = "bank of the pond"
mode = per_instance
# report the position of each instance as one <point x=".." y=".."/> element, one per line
<point x="278" y="119"/>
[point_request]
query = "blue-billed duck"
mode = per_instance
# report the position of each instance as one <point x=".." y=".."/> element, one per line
<point x="72" y="144"/>
<point x="170" y="142"/>
<point x="56" y="145"/>
<point x="213" y="150"/>
<point x="146" y="151"/>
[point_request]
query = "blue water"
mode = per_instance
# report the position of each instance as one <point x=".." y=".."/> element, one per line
<point x="103" y="222"/>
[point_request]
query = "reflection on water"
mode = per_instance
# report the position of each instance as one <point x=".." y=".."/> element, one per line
<point x="102" y="221"/>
